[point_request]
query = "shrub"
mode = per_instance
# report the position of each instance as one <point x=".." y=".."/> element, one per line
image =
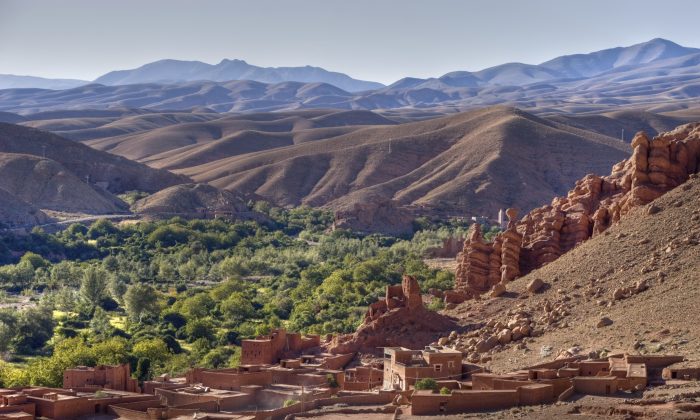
<point x="445" y="391"/>
<point x="436" y="304"/>
<point x="332" y="381"/>
<point x="287" y="403"/>
<point x="426" y="384"/>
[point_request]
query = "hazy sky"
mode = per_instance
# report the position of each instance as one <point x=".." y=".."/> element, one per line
<point x="380" y="40"/>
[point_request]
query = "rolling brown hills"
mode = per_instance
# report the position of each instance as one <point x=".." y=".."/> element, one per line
<point x="461" y="164"/>
<point x="116" y="174"/>
<point x="468" y="163"/>
<point x="623" y="124"/>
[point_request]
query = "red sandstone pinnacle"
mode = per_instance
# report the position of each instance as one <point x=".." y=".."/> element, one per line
<point x="591" y="207"/>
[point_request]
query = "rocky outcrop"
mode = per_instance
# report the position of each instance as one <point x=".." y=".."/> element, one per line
<point x="485" y="266"/>
<point x="656" y="166"/>
<point x="400" y="319"/>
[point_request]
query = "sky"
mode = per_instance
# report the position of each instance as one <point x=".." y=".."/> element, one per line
<point x="380" y="40"/>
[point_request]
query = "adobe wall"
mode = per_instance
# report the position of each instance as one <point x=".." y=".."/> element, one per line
<point x="361" y="386"/>
<point x="535" y="394"/>
<point x="593" y="368"/>
<point x="337" y="361"/>
<point x="559" y="385"/>
<point x="149" y="387"/>
<point x="177" y="399"/>
<point x="425" y="403"/>
<point x="234" y="381"/>
<point x="64" y="409"/>
<point x="206" y="406"/>
<point x="483" y="381"/>
<point x="28" y="407"/>
<point x="139" y="406"/>
<point x="130" y="414"/>
<point x="257" y="352"/>
<point x="681" y="373"/>
<point x="596" y="385"/>
<point x="654" y="362"/>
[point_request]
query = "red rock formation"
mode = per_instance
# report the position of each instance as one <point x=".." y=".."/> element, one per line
<point x="655" y="167"/>
<point x="400" y="319"/>
<point x="482" y="266"/>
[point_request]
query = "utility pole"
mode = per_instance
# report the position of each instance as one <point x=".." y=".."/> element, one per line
<point x="302" y="399"/>
<point x="622" y="137"/>
<point x="43" y="149"/>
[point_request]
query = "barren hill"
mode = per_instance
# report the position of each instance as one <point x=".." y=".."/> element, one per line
<point x="191" y="200"/>
<point x="473" y="162"/>
<point x="14" y="212"/>
<point x="623" y="124"/>
<point x="116" y="173"/>
<point x="169" y="142"/>
<point x="46" y="184"/>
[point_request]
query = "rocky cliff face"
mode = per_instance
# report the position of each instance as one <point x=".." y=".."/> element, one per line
<point x="656" y="166"/>
<point x="400" y="319"/>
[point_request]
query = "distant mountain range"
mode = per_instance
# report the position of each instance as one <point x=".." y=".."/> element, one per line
<point x="177" y="71"/>
<point x="656" y="76"/>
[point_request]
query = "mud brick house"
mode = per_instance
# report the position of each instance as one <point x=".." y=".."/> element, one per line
<point x="101" y="377"/>
<point x="14" y="405"/>
<point x="681" y="372"/>
<point x="269" y="349"/>
<point x="61" y="404"/>
<point x="363" y="378"/>
<point x="544" y="384"/>
<point x="403" y="367"/>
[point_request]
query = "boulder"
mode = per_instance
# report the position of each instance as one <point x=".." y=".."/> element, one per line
<point x="497" y="290"/>
<point x="604" y="322"/>
<point x="535" y="285"/>
<point x="505" y="336"/>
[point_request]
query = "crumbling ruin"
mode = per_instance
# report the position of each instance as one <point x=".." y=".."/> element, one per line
<point x="543" y="235"/>
<point x="398" y="320"/>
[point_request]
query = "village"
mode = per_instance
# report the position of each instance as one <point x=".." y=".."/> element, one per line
<point x="290" y="375"/>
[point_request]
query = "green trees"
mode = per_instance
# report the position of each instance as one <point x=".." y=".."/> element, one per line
<point x="32" y="329"/>
<point x="6" y="335"/>
<point x="140" y="300"/>
<point x="426" y="384"/>
<point x="100" y="324"/>
<point x="92" y="288"/>
<point x="197" y="286"/>
<point x="237" y="307"/>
